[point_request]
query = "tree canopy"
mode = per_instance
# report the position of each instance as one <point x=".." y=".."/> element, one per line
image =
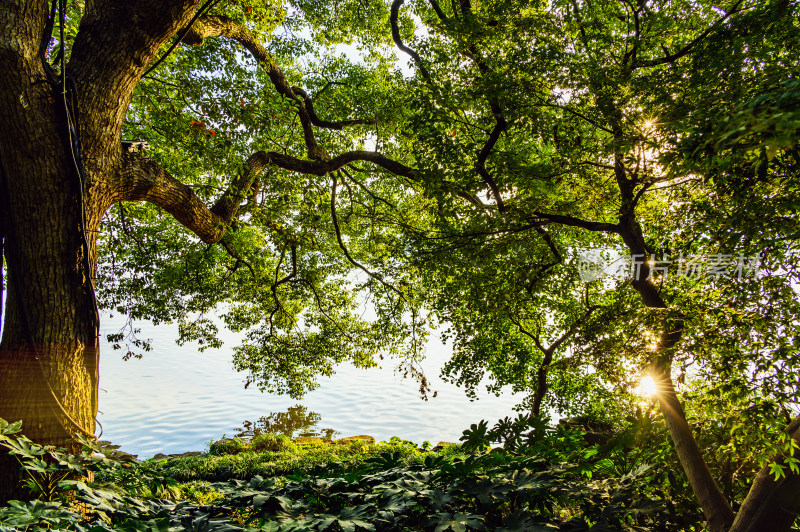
<point x="297" y="171"/>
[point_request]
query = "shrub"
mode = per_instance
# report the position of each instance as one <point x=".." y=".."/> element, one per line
<point x="226" y="446"/>
<point x="271" y="442"/>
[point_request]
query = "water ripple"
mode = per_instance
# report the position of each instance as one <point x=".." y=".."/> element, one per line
<point x="176" y="399"/>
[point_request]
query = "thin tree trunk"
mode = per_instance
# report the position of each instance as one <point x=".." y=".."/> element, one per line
<point x="716" y="508"/>
<point x="541" y="390"/>
<point x="771" y="504"/>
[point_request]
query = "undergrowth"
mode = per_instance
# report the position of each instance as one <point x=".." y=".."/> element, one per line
<point x="541" y="478"/>
<point x="325" y="460"/>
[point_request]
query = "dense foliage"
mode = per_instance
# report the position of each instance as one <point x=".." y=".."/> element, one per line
<point x="568" y="118"/>
<point x="543" y="478"/>
<point x="479" y="189"/>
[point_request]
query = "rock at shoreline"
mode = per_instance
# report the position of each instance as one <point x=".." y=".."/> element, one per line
<point x="162" y="456"/>
<point x="361" y="437"/>
<point x="308" y="440"/>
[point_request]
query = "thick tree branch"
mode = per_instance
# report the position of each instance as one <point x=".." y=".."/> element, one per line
<point x="439" y="13"/>
<point x="142" y="179"/>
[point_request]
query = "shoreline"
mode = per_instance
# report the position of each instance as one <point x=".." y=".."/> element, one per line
<point x="299" y="440"/>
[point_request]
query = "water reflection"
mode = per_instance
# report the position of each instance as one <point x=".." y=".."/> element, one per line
<point x="176" y="399"/>
<point x="295" y="421"/>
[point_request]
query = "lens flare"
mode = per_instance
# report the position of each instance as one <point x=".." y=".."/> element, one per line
<point x="647" y="387"/>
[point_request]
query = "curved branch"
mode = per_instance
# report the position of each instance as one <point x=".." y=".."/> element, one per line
<point x="500" y="123"/>
<point x="219" y="26"/>
<point x="480" y="165"/>
<point x="322" y="168"/>
<point x="671" y="58"/>
<point x="203" y="9"/>
<point x="393" y="15"/>
<point x="317" y="121"/>
<point x="439" y="13"/>
<point x="323" y="311"/>
<point x="548" y="352"/>
<point x="294" y="268"/>
<point x="544" y="268"/>
<point x="143" y="179"/>
<point x="239" y="260"/>
<point x="363" y="187"/>
<point x="335" y="220"/>
<point x="410" y="174"/>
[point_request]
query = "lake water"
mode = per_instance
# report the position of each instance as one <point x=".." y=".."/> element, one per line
<point x="176" y="399"/>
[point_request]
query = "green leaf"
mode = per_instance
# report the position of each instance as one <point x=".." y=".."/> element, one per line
<point x="10" y="428"/>
<point x="459" y="522"/>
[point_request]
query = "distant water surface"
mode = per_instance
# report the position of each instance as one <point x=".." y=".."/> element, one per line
<point x="176" y="399"/>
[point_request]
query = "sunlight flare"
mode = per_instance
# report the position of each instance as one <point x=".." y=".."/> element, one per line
<point x="647" y="387"/>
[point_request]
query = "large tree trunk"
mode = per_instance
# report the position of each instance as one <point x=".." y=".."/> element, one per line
<point x="48" y="352"/>
<point x="49" y="347"/>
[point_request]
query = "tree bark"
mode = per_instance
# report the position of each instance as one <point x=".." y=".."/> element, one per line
<point x="49" y="345"/>
<point x="715" y="506"/>
<point x="771" y="504"/>
<point x="48" y="352"/>
<point x="718" y="513"/>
